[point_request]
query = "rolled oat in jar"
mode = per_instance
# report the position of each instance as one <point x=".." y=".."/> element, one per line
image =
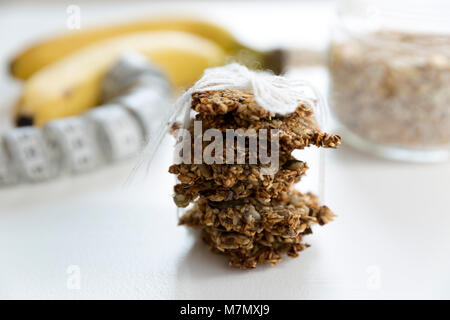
<point x="390" y="83"/>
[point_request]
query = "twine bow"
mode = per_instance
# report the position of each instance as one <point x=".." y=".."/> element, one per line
<point x="276" y="94"/>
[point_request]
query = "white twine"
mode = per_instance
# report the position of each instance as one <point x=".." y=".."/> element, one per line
<point x="276" y="94"/>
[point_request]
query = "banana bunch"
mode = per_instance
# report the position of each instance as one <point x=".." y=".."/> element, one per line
<point x="63" y="74"/>
<point x="71" y="85"/>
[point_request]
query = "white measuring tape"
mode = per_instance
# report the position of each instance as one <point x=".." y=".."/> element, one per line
<point x="138" y="95"/>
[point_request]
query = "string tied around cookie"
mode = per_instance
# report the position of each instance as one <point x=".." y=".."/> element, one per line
<point x="276" y="94"/>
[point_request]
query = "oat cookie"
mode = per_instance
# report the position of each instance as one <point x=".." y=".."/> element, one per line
<point x="252" y="217"/>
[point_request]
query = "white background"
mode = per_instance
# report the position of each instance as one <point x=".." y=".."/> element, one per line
<point x="390" y="240"/>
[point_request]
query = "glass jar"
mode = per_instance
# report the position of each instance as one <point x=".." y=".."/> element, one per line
<point x="389" y="65"/>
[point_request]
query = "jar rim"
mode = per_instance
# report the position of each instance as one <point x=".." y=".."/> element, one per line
<point x="369" y="16"/>
<point x="392" y="29"/>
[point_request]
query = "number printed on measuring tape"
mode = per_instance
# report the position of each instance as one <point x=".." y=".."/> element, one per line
<point x="73" y="143"/>
<point x="29" y="153"/>
<point x="119" y="134"/>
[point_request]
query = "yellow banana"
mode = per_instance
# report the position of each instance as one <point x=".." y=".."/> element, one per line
<point x="48" y="51"/>
<point x="72" y="84"/>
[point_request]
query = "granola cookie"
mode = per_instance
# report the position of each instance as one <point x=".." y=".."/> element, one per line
<point x="299" y="129"/>
<point x="264" y="251"/>
<point x="224" y="182"/>
<point x="288" y="218"/>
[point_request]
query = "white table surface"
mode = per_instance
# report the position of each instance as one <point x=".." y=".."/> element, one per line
<point x="390" y="240"/>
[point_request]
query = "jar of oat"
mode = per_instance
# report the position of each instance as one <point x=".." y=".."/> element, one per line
<point x="389" y="65"/>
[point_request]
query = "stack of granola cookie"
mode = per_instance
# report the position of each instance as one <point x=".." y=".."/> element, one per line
<point x="250" y="216"/>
